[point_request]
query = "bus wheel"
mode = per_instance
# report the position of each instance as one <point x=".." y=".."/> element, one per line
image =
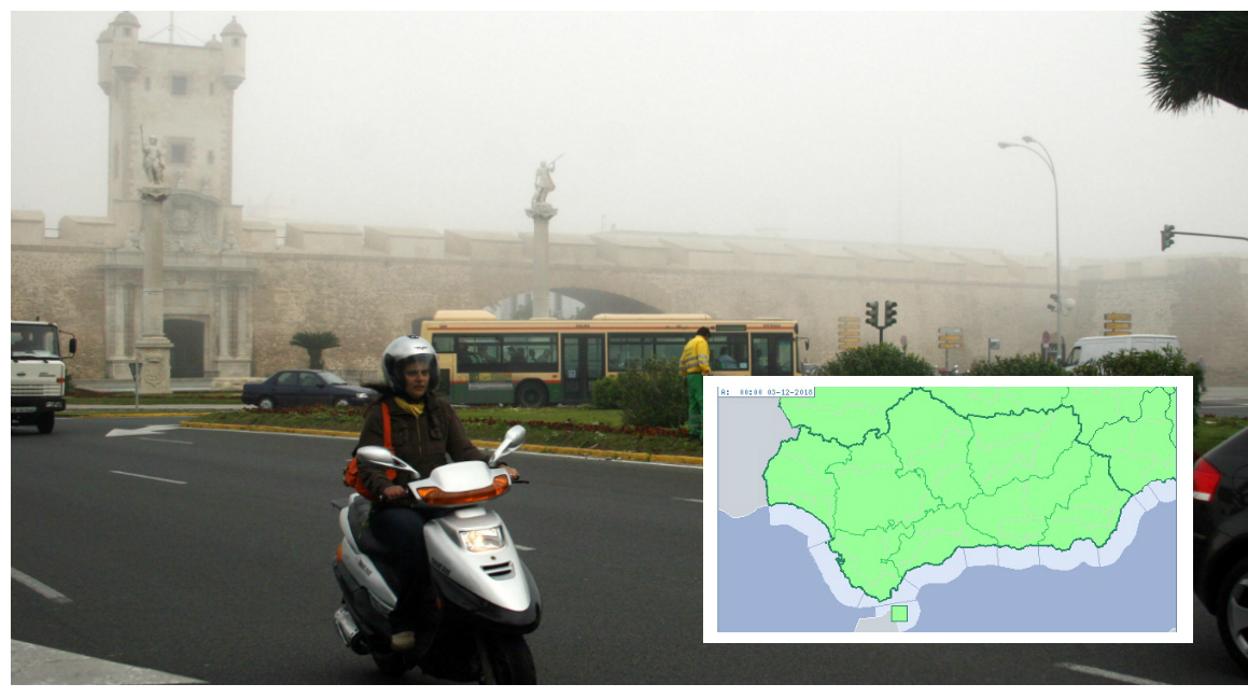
<point x="531" y="394"/>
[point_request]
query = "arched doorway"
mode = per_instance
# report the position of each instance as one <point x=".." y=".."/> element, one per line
<point x="187" y="358"/>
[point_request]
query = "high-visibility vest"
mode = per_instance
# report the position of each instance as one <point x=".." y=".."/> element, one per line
<point x="696" y="358"/>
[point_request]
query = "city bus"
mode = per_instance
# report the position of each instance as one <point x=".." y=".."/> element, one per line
<point x="484" y="360"/>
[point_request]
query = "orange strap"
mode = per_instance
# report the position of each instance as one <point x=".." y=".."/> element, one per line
<point x="385" y="426"/>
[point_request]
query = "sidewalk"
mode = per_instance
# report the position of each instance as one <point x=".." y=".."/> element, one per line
<point x="73" y="404"/>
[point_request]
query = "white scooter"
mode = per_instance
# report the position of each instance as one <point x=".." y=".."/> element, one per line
<point x="485" y="597"/>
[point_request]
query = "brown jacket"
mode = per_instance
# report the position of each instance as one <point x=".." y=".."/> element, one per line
<point x="424" y="443"/>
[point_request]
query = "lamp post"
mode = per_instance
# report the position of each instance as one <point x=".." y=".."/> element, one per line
<point x="1057" y="231"/>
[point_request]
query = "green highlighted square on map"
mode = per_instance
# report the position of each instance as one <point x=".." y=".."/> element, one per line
<point x="900" y="613"/>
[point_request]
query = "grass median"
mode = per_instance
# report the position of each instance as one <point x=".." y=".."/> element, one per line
<point x="1211" y="431"/>
<point x="570" y="427"/>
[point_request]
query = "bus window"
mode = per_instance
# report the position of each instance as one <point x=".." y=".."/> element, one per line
<point x="443" y="343"/>
<point x="632" y="349"/>
<point x="772" y="354"/>
<point x="511" y="353"/>
<point x="728" y="352"/>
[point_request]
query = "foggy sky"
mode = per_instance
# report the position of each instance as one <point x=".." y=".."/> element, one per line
<point x="840" y="126"/>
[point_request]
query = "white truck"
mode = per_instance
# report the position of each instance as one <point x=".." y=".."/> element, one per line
<point x="1088" y="349"/>
<point x="37" y="373"/>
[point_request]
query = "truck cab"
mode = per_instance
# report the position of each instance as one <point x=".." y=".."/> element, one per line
<point x="37" y="373"/>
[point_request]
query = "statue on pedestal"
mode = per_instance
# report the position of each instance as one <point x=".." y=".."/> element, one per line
<point x="153" y="161"/>
<point x="543" y="183"/>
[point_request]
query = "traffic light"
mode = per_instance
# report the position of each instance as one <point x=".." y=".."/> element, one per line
<point x="873" y="314"/>
<point x="890" y="313"/>
<point x="1167" y="237"/>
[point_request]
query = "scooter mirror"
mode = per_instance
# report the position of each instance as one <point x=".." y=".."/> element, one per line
<point x="512" y="440"/>
<point x="377" y="455"/>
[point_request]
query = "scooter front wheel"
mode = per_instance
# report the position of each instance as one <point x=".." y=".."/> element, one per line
<point x="505" y="659"/>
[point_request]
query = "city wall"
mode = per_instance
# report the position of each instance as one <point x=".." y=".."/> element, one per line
<point x="368" y="285"/>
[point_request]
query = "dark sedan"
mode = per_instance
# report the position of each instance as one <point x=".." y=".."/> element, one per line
<point x="296" y="388"/>
<point x="1221" y="551"/>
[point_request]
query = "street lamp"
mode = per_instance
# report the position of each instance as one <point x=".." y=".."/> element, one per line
<point x="1057" y="231"/>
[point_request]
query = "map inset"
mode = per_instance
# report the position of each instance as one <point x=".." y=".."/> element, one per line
<point x="898" y="492"/>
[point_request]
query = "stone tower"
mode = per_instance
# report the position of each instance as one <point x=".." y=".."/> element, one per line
<point x="179" y="101"/>
<point x="183" y="96"/>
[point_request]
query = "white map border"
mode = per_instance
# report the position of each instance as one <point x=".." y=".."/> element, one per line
<point x="716" y="388"/>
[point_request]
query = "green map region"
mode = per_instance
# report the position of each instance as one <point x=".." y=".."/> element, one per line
<point x="905" y="477"/>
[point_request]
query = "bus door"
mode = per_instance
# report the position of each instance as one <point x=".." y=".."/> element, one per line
<point x="583" y="363"/>
<point x="771" y="354"/>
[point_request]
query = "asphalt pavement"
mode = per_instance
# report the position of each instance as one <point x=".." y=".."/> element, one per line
<point x="206" y="555"/>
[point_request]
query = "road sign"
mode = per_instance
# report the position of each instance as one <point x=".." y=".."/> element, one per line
<point x="1116" y="334"/>
<point x="950" y="338"/>
<point x="950" y="330"/>
<point x="950" y="345"/>
<point x="1117" y="317"/>
<point x="1117" y="325"/>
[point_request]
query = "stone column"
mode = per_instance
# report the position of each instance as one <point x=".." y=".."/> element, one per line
<point x="115" y="313"/>
<point x="153" y="347"/>
<point x="223" y="323"/>
<point x="233" y="370"/>
<point x="541" y="213"/>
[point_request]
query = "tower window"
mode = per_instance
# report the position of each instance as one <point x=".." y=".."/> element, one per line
<point x="212" y="88"/>
<point x="234" y="41"/>
<point x="147" y="84"/>
<point x="179" y="84"/>
<point x="178" y="153"/>
<point x="211" y="158"/>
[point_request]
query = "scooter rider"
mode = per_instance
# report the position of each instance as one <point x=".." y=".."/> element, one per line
<point x="424" y="431"/>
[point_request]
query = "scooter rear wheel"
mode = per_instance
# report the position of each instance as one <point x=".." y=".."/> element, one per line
<point x="392" y="664"/>
<point x="505" y="659"/>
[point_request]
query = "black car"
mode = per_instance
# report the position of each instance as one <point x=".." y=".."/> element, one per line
<point x="1220" y="487"/>
<point x="295" y="388"/>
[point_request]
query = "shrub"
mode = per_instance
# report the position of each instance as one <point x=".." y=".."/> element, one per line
<point x="1018" y="365"/>
<point x="876" y="360"/>
<point x="604" y="393"/>
<point x="1167" y="362"/>
<point x="653" y="394"/>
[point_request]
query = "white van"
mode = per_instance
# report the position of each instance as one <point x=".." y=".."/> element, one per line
<point x="1089" y="349"/>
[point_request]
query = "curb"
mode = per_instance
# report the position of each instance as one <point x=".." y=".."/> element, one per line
<point x="115" y="415"/>
<point x="532" y="448"/>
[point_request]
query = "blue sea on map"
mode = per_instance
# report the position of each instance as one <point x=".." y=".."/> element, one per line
<point x="1135" y="594"/>
<point x="768" y="582"/>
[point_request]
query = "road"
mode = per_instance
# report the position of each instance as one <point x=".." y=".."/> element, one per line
<point x="207" y="555"/>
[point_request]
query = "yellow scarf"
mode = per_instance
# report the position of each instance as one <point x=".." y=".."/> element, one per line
<point x="416" y="409"/>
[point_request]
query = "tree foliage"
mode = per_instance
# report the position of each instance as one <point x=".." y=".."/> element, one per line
<point x="315" y="343"/>
<point x="1017" y="365"/>
<point x="653" y="394"/>
<point x="876" y="360"/>
<point x="1195" y="58"/>
<point x="1167" y="362"/>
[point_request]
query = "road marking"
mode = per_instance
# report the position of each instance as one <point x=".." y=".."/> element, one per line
<point x="166" y="441"/>
<point x="150" y="429"/>
<point x="38" y="586"/>
<point x="525" y="548"/>
<point x="684" y="499"/>
<point x="1112" y="675"/>
<point x="35" y="664"/>
<point x="148" y="477"/>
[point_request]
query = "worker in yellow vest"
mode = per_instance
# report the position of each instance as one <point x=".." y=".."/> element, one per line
<point x="695" y="362"/>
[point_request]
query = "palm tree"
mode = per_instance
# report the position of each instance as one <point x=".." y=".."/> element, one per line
<point x="1196" y="58"/>
<point x="315" y="343"/>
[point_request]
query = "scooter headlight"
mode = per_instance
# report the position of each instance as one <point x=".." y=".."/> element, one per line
<point x="482" y="540"/>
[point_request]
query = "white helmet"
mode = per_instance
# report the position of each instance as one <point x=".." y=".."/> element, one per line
<point x="402" y="351"/>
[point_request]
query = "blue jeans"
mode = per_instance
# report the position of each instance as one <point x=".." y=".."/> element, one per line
<point x="402" y="530"/>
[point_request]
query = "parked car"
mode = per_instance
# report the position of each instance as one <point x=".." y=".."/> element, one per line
<point x="295" y="388"/>
<point x="1220" y="487"/>
<point x="1088" y="349"/>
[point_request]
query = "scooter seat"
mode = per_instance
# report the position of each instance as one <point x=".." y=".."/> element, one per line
<point x="357" y="517"/>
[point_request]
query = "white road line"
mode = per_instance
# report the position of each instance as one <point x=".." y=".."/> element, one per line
<point x="149" y="477"/>
<point x="166" y="441"/>
<point x="525" y="548"/>
<point x="1112" y="675"/>
<point x="38" y="665"/>
<point x="41" y="588"/>
<point x="685" y="499"/>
